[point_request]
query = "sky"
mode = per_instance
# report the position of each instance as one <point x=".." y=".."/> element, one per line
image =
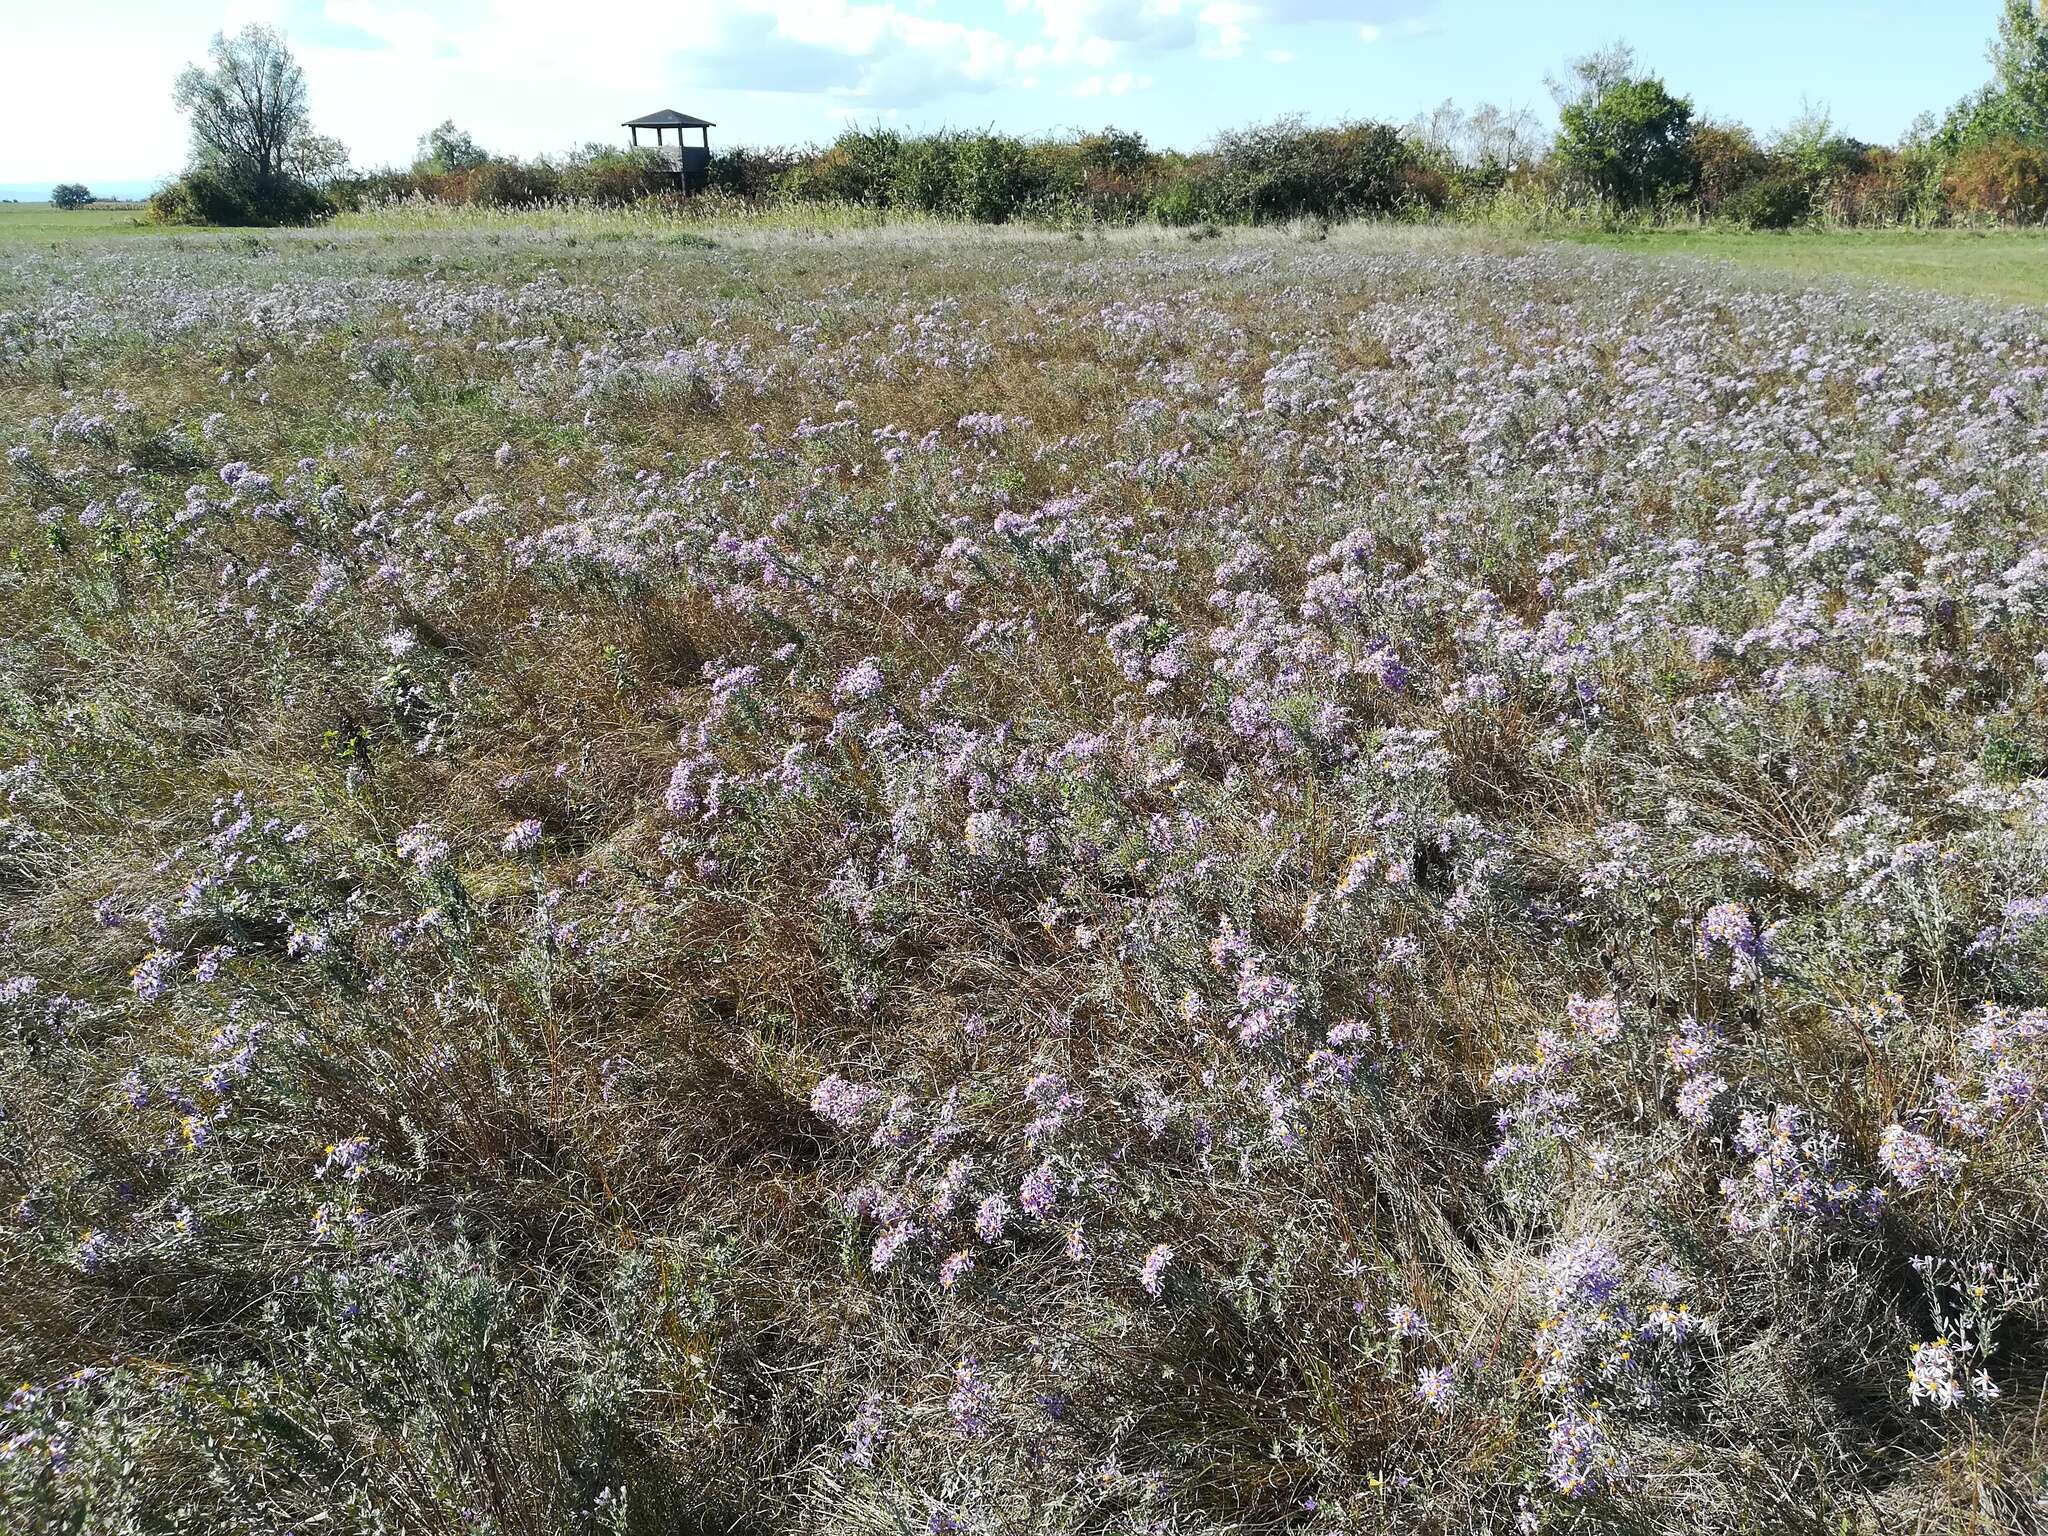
<point x="88" y="82"/>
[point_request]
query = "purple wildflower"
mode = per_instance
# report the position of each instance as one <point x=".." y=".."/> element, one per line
<point x="1696" y="1097"/>
<point x="1912" y="1159"/>
<point x="1729" y="926"/>
<point x="1585" y="1274"/>
<point x="969" y="1404"/>
<point x="1581" y="1456"/>
<point x="1152" y="1273"/>
<point x="861" y="681"/>
<point x="888" y="1243"/>
<point x="990" y="1217"/>
<point x="1039" y="1193"/>
<point x="347" y="1158"/>
<point x="955" y="1268"/>
<point x="1406" y="1322"/>
<point x="151" y="979"/>
<point x="1436" y="1387"/>
<point x="421" y="848"/>
<point x="841" y="1102"/>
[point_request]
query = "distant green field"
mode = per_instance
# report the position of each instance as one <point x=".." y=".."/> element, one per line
<point x="39" y="221"/>
<point x="2011" y="265"/>
<point x="2006" y="265"/>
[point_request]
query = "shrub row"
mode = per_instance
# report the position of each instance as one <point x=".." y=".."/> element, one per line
<point x="1266" y="173"/>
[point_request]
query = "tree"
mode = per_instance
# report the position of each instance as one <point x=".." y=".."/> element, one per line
<point x="70" y="194"/>
<point x="1808" y="146"/>
<point x="2005" y="179"/>
<point x="248" y="112"/>
<point x="1591" y="75"/>
<point x="317" y="159"/>
<point x="1287" y="169"/>
<point x="2014" y="103"/>
<point x="1115" y="152"/>
<point x="1488" y="138"/>
<point x="2019" y="66"/>
<point x="255" y="158"/>
<point x="447" y="148"/>
<point x="1729" y="159"/>
<point x="1624" y="133"/>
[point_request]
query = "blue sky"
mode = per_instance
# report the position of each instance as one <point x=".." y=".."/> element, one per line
<point x="89" y="81"/>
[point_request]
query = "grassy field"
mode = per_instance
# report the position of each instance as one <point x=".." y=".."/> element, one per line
<point x="2007" y="265"/>
<point x="33" y="222"/>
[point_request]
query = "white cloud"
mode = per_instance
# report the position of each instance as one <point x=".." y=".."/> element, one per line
<point x="1093" y="31"/>
<point x="879" y="52"/>
<point x="407" y="31"/>
<point x="1228" y="24"/>
<point x="1099" y="34"/>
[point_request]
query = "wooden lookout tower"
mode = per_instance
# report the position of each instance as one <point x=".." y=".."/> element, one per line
<point x="690" y="164"/>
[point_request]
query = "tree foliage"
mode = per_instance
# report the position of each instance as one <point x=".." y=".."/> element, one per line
<point x="2019" y="66"/>
<point x="1623" y="133"/>
<point x="2013" y="104"/>
<point x="2005" y="180"/>
<point x="247" y="109"/>
<point x="70" y="194"/>
<point x="1287" y="169"/>
<point x="1729" y="159"/>
<point x="445" y="148"/>
<point x="255" y="158"/>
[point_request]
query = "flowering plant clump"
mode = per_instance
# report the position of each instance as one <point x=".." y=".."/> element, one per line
<point x="1376" y="883"/>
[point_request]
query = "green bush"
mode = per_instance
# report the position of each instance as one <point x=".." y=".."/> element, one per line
<point x="511" y="183"/>
<point x="991" y="178"/>
<point x="1286" y="169"/>
<point x="1631" y="141"/>
<point x="209" y="197"/>
<point x="1776" y="201"/>
<point x="1178" y="203"/>
<point x="1729" y="159"/>
<point x="859" y="167"/>
<point x="70" y="194"/>
<point x="922" y="174"/>
<point x="755" y="174"/>
<point x="599" y="173"/>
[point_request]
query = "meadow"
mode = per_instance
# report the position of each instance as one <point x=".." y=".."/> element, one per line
<point x="39" y="222"/>
<point x="857" y="880"/>
<point x="2009" y="265"/>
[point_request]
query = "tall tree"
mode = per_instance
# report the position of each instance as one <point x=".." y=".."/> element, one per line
<point x="1591" y="75"/>
<point x="2019" y="66"/>
<point x="1623" y="132"/>
<point x="248" y="111"/>
<point x="446" y="147"/>
<point x="2013" y="104"/>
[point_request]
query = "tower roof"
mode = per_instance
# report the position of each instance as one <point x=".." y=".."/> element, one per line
<point x="667" y="117"/>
